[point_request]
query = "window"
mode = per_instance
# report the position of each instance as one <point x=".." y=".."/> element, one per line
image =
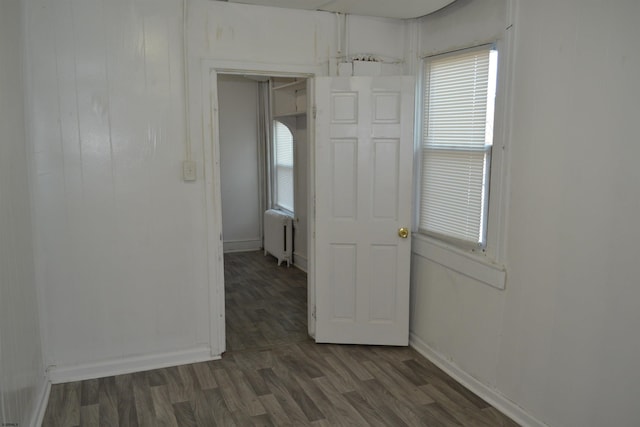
<point x="457" y="137"/>
<point x="282" y="166"/>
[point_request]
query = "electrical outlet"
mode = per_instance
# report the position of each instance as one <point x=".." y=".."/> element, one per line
<point x="189" y="170"/>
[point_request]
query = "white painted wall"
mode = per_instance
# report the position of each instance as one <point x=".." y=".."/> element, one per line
<point x="229" y="36"/>
<point x="247" y="34"/>
<point x="362" y="29"/>
<point x="238" y="109"/>
<point x="572" y="313"/>
<point x="121" y="250"/>
<point x="452" y="313"/>
<point x="121" y="240"/>
<point x="22" y="376"/>
<point x="561" y="340"/>
<point x="236" y="36"/>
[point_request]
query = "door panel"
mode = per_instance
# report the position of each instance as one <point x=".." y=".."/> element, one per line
<point x="384" y="270"/>
<point x="343" y="282"/>
<point x="364" y="159"/>
<point x="344" y="162"/>
<point x="385" y="177"/>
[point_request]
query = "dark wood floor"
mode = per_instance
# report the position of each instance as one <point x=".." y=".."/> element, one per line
<point x="273" y="375"/>
<point x="266" y="305"/>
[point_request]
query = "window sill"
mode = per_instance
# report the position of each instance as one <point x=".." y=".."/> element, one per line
<point x="284" y="210"/>
<point x="470" y="265"/>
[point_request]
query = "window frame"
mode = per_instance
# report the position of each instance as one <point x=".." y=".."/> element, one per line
<point x="274" y="167"/>
<point x="492" y="253"/>
<point x="486" y="152"/>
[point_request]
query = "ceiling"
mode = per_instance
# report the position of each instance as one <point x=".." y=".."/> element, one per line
<point x="401" y="9"/>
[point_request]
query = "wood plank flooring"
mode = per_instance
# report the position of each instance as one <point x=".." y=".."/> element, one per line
<point x="273" y="375"/>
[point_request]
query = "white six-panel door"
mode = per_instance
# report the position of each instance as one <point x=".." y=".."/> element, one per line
<point x="364" y="159"/>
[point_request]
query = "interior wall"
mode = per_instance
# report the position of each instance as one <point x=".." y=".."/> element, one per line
<point x="240" y="184"/>
<point x="362" y="29"/>
<point x="121" y="241"/>
<point x="239" y="33"/>
<point x="238" y="36"/>
<point x="22" y="376"/>
<point x="452" y="313"/>
<point x="121" y="249"/>
<point x="558" y="342"/>
<point x="572" y="309"/>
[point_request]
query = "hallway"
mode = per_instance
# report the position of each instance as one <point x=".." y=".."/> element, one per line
<point x="266" y="305"/>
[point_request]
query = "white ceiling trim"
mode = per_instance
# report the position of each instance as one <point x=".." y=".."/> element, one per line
<point x="399" y="9"/>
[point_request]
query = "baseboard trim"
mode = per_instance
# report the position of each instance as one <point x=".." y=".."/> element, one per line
<point x="127" y="365"/>
<point x="492" y="396"/>
<point x="300" y="262"/>
<point x="229" y="246"/>
<point x="41" y="404"/>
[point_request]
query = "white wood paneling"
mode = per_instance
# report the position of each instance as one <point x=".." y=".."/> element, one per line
<point x="573" y="230"/>
<point x="120" y="238"/>
<point x="233" y="37"/>
<point x="457" y="315"/>
<point x="237" y="32"/>
<point x="559" y="342"/>
<point x="22" y="376"/>
<point x="362" y="29"/>
<point x="116" y="250"/>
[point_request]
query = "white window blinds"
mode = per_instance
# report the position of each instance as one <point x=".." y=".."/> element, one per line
<point x="283" y="166"/>
<point x="459" y="99"/>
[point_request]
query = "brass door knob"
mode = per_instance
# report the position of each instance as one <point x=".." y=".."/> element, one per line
<point x="403" y="232"/>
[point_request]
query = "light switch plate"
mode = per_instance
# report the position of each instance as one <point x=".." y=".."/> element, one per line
<point x="189" y="170"/>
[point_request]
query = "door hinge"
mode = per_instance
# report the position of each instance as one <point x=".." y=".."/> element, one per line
<point x="314" y="111"/>
<point x="313" y="313"/>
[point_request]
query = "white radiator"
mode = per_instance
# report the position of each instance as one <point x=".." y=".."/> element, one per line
<point x="278" y="235"/>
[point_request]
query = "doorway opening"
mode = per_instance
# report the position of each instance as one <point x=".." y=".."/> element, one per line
<point x="264" y="157"/>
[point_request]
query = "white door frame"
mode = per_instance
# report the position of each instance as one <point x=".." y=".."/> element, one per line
<point x="211" y="168"/>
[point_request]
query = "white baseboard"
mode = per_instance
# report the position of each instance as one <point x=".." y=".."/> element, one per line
<point x="490" y="395"/>
<point x="300" y="262"/>
<point x="127" y="365"/>
<point x="40" y="406"/>
<point x="241" y="245"/>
